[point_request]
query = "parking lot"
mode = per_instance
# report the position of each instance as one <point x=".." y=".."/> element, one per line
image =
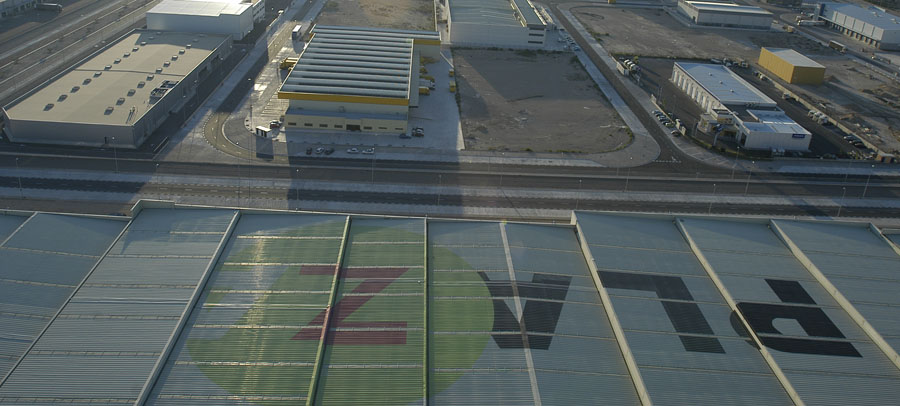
<point x="533" y="101"/>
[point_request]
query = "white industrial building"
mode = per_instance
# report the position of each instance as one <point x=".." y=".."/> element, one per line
<point x="232" y="17"/>
<point x="13" y="7"/>
<point x="728" y="15"/>
<point x="871" y="25"/>
<point x="502" y="23"/>
<point x="729" y="102"/>
<point x="120" y="95"/>
<point x="357" y="79"/>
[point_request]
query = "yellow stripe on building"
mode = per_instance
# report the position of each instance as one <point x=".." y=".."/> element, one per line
<point x="422" y="41"/>
<point x="342" y="98"/>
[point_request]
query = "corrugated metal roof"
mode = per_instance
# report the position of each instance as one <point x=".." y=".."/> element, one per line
<point x="723" y="84"/>
<point x="8" y="224"/>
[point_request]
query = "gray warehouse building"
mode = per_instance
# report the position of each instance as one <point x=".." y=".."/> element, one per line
<point x="504" y="23"/>
<point x="185" y="305"/>
<point x="871" y="25"/>
<point x="119" y="95"/>
<point x="728" y="15"/>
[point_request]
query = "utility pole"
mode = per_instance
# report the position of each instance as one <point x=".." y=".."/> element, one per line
<point x="115" y="154"/>
<point x="866" y="189"/>
<point x="841" y="204"/>
<point x="19" y="175"/>
<point x="747" y="187"/>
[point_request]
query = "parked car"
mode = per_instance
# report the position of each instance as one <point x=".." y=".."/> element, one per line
<point x="418" y="132"/>
<point x="404" y="136"/>
<point x="368" y="151"/>
<point x="675" y="133"/>
<point x="309" y="151"/>
<point x="274" y="124"/>
<point x="352" y="151"/>
<point x="669" y="124"/>
<point x="329" y="151"/>
<point x="320" y="150"/>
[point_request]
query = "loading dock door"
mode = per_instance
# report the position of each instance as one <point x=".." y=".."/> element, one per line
<point x="353" y="127"/>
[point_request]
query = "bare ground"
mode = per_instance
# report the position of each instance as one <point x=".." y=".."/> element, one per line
<point x="399" y="14"/>
<point x="533" y="101"/>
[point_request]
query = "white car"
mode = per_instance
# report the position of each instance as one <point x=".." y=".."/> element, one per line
<point x="352" y="151"/>
<point x="368" y="151"/>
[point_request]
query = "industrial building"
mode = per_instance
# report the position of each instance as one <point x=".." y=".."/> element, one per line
<point x="731" y="105"/>
<point x="183" y="305"/>
<point x="119" y="95"/>
<point x="871" y="25"/>
<point x="357" y="79"/>
<point x="496" y="23"/>
<point x="12" y="7"/>
<point x="730" y="15"/>
<point x="232" y="17"/>
<point x="792" y="66"/>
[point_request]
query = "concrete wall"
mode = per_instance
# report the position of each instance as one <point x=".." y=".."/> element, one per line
<point x="495" y="36"/>
<point x="235" y="25"/>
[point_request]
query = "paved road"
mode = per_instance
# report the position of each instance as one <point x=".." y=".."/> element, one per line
<point x="846" y="207"/>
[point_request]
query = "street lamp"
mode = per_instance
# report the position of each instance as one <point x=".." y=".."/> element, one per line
<point x="19" y="175"/>
<point x="298" y="188"/>
<point x="865" y="189"/>
<point x="578" y="196"/>
<point x="709" y="210"/>
<point x="373" y="166"/>
<point x="735" y="161"/>
<point x="841" y="204"/>
<point x="250" y="100"/>
<point x="440" y="186"/>
<point x="747" y="187"/>
<point x="115" y="154"/>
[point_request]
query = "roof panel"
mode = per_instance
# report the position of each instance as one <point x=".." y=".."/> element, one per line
<point x="67" y="234"/>
<point x="8" y="224"/>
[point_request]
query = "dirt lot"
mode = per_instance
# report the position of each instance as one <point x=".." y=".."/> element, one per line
<point x="400" y="14"/>
<point x="522" y="100"/>
<point x="653" y="33"/>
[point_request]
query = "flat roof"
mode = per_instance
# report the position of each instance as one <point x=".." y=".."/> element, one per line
<point x="871" y="15"/>
<point x="726" y="86"/>
<point x="211" y="306"/>
<point x="489" y="12"/>
<point x="727" y="7"/>
<point x="774" y="121"/>
<point x="356" y="61"/>
<point x="207" y="8"/>
<point x="794" y="58"/>
<point x="528" y="13"/>
<point x="121" y="77"/>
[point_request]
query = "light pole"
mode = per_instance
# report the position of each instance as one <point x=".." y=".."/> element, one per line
<point x="865" y="189"/>
<point x="115" y="154"/>
<point x="298" y="188"/>
<point x="841" y="204"/>
<point x="250" y="100"/>
<point x="19" y="175"/>
<point x="440" y="186"/>
<point x="373" y="166"/>
<point x="735" y="161"/>
<point x="747" y="187"/>
<point x="628" y="174"/>
<point x="157" y="174"/>
<point x="578" y="197"/>
<point x="709" y="210"/>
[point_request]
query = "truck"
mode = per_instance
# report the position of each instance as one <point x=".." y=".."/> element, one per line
<point x="837" y="46"/>
<point x="49" y="7"/>
<point x="297" y="33"/>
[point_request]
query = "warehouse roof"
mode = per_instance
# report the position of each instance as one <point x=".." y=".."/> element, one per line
<point x="210" y="8"/>
<point x="775" y="121"/>
<point x="354" y="61"/>
<point x="794" y="58"/>
<point x="726" y="86"/>
<point x="120" y="84"/>
<point x="494" y="12"/>
<point x="871" y="15"/>
<point x="727" y="7"/>
<point x="470" y="312"/>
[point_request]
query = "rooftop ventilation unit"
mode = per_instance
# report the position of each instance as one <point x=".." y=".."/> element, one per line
<point x="135" y="49"/>
<point x="188" y="46"/>
<point x="151" y="38"/>
<point x="120" y="101"/>
<point x="158" y="70"/>
<point x="97" y="74"/>
<point x="86" y="81"/>
<point x="62" y="97"/>
<point x="118" y="60"/>
<point x="109" y="110"/>
<point x="174" y="57"/>
<point x="107" y="67"/>
<point x="127" y="54"/>
<point x="143" y="43"/>
<point x="150" y="77"/>
<point x="75" y="89"/>
<point x="48" y="106"/>
<point x="141" y="84"/>
<point x="131" y="92"/>
<point x="181" y="51"/>
<point x="166" y="64"/>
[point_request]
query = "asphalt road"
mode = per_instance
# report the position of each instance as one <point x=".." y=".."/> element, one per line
<point x="502" y="201"/>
